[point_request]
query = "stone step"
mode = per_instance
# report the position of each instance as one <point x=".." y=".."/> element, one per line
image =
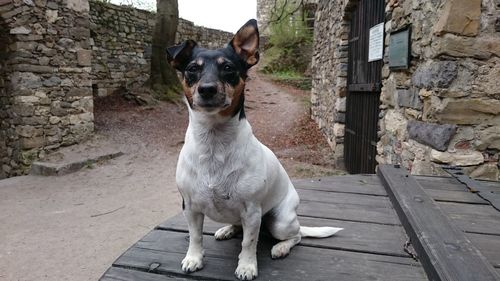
<point x="71" y="159"/>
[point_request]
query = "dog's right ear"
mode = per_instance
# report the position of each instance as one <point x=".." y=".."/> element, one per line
<point x="179" y="55"/>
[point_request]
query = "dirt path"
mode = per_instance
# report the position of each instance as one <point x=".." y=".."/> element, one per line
<point x="72" y="227"/>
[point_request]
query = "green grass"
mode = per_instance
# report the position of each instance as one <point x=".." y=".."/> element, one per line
<point x="292" y="78"/>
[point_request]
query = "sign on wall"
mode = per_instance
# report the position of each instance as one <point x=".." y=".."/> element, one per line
<point x="399" y="49"/>
<point x="376" y="43"/>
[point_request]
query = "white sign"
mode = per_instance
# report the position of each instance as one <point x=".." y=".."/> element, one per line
<point x="376" y="45"/>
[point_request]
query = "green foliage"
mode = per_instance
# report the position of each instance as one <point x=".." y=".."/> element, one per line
<point x="289" y="48"/>
<point x="295" y="79"/>
<point x="288" y="26"/>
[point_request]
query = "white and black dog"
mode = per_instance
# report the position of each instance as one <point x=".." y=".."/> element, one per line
<point x="223" y="171"/>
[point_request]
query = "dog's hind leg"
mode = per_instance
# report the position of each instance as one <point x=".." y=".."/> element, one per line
<point x="284" y="225"/>
<point x="227" y="232"/>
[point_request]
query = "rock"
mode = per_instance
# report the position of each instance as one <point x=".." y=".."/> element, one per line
<point x="422" y="167"/>
<point x="458" y="158"/>
<point x="395" y="123"/>
<point x="54" y="120"/>
<point x="20" y="30"/>
<point x="489" y="138"/>
<point x="41" y="3"/>
<point x="488" y="171"/>
<point x="459" y="17"/>
<point x="480" y="48"/>
<point x="34" y="142"/>
<point x="462" y="138"/>
<point x="338" y="130"/>
<point x="438" y="74"/>
<point x="469" y="111"/>
<point x="25" y="131"/>
<point x="409" y="98"/>
<point x="52" y="81"/>
<point x="23" y="109"/>
<point x="84" y="57"/>
<point x="433" y="135"/>
<point x="51" y="16"/>
<point x="33" y="68"/>
<point x="66" y="43"/>
<point x="78" y="5"/>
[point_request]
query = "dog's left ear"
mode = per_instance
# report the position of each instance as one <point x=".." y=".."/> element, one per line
<point x="246" y="43"/>
<point x="179" y="55"/>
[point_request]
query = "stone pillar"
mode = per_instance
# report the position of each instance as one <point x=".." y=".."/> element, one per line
<point x="46" y="96"/>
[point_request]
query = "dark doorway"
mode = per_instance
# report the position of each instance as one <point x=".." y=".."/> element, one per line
<point x="363" y="84"/>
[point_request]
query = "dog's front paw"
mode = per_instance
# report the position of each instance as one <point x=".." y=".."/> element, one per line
<point x="226" y="232"/>
<point x="192" y="263"/>
<point x="246" y="270"/>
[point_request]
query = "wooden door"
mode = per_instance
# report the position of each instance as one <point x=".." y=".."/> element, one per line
<point x="363" y="84"/>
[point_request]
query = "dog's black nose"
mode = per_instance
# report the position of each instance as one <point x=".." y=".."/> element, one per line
<point x="207" y="90"/>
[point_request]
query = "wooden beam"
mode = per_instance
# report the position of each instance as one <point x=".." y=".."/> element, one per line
<point x="443" y="249"/>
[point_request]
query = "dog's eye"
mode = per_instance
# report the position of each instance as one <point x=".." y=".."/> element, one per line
<point x="193" y="68"/>
<point x="228" y="68"/>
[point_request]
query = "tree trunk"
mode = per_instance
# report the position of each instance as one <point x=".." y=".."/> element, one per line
<point x="163" y="79"/>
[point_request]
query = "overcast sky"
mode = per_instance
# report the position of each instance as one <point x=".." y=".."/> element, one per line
<point x="227" y="15"/>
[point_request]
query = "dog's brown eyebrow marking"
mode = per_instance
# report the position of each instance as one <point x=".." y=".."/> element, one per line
<point x="220" y="60"/>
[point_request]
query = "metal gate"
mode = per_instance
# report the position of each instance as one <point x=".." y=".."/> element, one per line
<point x="363" y="84"/>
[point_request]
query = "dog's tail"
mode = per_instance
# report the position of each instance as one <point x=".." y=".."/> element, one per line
<point x="318" y="232"/>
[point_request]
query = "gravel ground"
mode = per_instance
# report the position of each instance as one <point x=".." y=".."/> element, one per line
<point x="72" y="227"/>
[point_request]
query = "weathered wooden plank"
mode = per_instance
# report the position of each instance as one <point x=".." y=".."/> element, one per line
<point x="359" y="237"/>
<point x="122" y="274"/>
<point x="443" y="249"/>
<point x="492" y="184"/>
<point x="438" y="183"/>
<point x="489" y="245"/>
<point x="352" y="184"/>
<point x="348" y="211"/>
<point x="455" y="196"/>
<point x="165" y="250"/>
<point x="473" y="218"/>
<point x="360" y="200"/>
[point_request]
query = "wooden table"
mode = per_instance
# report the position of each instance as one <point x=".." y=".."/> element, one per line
<point x="375" y="244"/>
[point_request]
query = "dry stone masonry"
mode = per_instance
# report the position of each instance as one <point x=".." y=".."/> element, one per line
<point x="45" y="95"/>
<point x="444" y="109"/>
<point x="121" y="44"/>
<point x="54" y="54"/>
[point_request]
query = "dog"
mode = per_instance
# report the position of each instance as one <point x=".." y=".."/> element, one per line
<point x="223" y="171"/>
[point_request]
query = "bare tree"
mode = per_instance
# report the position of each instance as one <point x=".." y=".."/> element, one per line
<point x="163" y="79"/>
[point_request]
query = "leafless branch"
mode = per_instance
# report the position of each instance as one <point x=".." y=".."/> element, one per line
<point x="283" y="13"/>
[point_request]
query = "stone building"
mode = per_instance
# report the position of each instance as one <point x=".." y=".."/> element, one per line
<point x="433" y="96"/>
<point x="56" y="56"/>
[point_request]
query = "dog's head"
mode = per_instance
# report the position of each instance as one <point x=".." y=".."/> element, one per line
<point x="214" y="80"/>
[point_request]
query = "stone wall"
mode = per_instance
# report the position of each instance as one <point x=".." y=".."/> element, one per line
<point x="121" y="44"/>
<point x="45" y="95"/>
<point x="329" y="73"/>
<point x="444" y="109"/>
